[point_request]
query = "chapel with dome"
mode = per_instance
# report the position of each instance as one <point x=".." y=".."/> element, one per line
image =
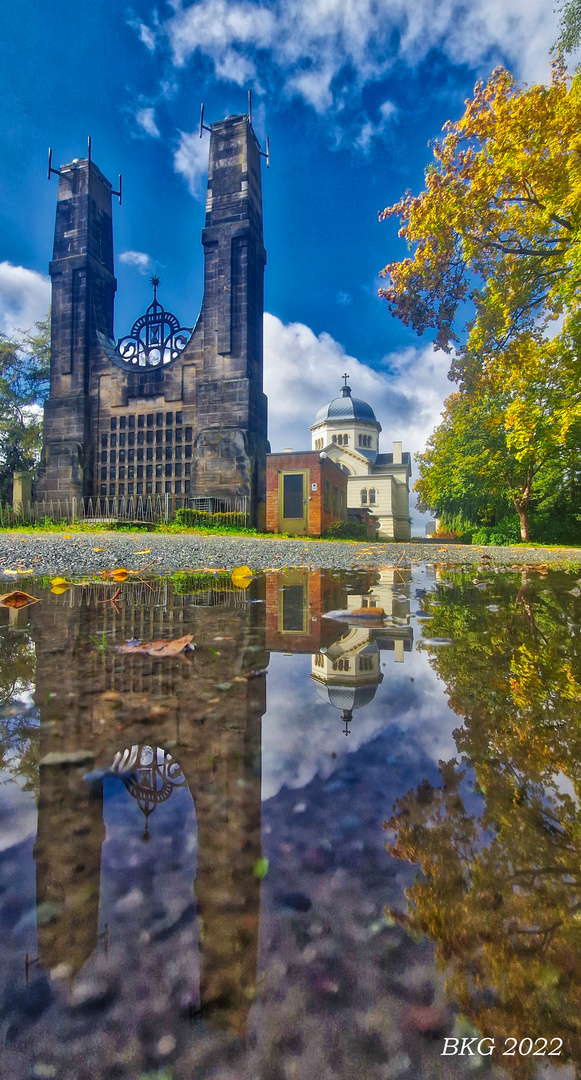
<point x="347" y="430"/>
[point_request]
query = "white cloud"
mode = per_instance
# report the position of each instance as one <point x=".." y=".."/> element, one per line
<point x="24" y="298"/>
<point x="191" y="161"/>
<point x="303" y="371"/>
<point x="315" y="48"/>
<point x="370" y="130"/>
<point x="146" y="119"/>
<point x="139" y="259"/>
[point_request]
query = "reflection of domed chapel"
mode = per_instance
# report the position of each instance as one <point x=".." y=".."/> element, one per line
<point x="347" y="430"/>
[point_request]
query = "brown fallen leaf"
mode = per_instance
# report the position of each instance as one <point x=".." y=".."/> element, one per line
<point x="158" y="648"/>
<point x="17" y="599"/>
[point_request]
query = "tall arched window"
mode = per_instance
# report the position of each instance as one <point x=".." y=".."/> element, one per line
<point x="345" y="440"/>
<point x="334" y="438"/>
<point x="363" y="496"/>
<point x="372" y="495"/>
<point x="340" y="440"/>
<point x="361" y="440"/>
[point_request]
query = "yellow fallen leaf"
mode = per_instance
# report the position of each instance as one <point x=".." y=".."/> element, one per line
<point x="116" y="575"/>
<point x="58" y="590"/>
<point x="58" y="581"/>
<point x="145" y="551"/>
<point x="98" y="549"/>
<point x="21" y="572"/>
<point x="242" y="576"/>
<point x="67" y="536"/>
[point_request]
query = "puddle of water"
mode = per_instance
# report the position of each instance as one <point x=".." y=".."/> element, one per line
<point x="194" y="878"/>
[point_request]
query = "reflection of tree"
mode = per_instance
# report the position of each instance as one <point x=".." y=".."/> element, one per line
<point x="501" y="856"/>
<point x="19" y="752"/>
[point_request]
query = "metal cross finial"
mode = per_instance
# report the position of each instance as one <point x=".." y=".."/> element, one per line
<point x="345" y="377"/>
<point x="155" y="282"/>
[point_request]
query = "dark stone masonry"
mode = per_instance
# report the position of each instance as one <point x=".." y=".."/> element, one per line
<point x="189" y="419"/>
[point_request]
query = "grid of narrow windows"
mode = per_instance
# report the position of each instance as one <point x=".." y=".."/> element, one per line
<point x="131" y="439"/>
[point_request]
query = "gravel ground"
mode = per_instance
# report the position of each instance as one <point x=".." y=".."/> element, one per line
<point x="58" y="553"/>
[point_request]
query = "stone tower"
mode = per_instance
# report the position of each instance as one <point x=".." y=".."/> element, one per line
<point x="83" y="288"/>
<point x="166" y="410"/>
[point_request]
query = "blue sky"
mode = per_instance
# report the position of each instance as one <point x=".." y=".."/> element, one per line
<point x="349" y="91"/>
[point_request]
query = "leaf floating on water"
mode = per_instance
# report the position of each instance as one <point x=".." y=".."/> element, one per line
<point x="241" y="577"/>
<point x="116" y="575"/>
<point x="159" y="648"/>
<point x="58" y="581"/>
<point x="17" y="599"/>
<point x="261" y="868"/>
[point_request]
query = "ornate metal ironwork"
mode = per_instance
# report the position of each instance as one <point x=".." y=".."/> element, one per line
<point x="156" y="338"/>
<point x="150" y="776"/>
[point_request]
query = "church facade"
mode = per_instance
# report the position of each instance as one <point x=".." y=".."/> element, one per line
<point x="347" y="430"/>
<point x="168" y="409"/>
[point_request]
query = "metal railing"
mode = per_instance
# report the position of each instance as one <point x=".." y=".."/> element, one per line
<point x="147" y="509"/>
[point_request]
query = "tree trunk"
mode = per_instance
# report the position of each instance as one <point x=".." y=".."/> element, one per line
<point x="522" y="509"/>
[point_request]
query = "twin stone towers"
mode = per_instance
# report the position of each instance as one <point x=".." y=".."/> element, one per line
<point x="165" y="410"/>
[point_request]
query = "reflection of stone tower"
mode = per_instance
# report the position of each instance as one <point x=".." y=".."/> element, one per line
<point x="102" y="703"/>
<point x="67" y="853"/>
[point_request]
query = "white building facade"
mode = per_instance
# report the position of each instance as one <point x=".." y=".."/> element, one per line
<point x="347" y="429"/>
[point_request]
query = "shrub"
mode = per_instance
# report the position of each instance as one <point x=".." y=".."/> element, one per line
<point x="347" y="530"/>
<point x="203" y="519"/>
<point x="503" y="534"/>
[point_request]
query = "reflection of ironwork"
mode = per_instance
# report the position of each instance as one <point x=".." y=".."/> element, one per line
<point x="156" y="338"/>
<point x="151" y="775"/>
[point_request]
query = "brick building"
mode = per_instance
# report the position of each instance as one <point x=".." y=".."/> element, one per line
<point x="166" y="409"/>
<point x="305" y="493"/>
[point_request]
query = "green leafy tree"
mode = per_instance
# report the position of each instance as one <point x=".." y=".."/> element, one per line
<point x="570" y="37"/>
<point x="506" y="437"/>
<point x="24" y="380"/>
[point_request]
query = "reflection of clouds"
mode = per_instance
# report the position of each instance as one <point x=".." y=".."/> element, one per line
<point x="18" y="815"/>
<point x="300" y="733"/>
